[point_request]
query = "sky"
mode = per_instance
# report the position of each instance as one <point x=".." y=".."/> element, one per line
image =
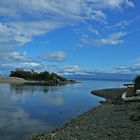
<point x="70" y="37"/>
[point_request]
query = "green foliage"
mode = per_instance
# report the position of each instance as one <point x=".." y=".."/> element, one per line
<point x="32" y="75"/>
<point x="137" y="82"/>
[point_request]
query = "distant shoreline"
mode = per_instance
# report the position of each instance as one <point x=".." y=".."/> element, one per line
<point x="112" y="120"/>
<point x="103" y="79"/>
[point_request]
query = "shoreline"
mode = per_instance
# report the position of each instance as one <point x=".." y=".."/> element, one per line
<point x="112" y="120"/>
<point x="7" y="79"/>
<point x="15" y="80"/>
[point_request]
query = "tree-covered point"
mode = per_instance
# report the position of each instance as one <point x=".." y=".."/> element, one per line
<point x="32" y="75"/>
<point x="137" y="82"/>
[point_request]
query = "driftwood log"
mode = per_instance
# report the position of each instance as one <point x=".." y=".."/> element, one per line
<point x="129" y="99"/>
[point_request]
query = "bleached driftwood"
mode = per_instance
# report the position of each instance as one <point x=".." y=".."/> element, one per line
<point x="138" y="92"/>
<point x="133" y="98"/>
<point x="129" y="85"/>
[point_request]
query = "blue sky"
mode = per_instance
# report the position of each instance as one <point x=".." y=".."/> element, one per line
<point x="70" y="37"/>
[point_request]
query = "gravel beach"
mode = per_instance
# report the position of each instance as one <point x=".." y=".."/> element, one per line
<point x="112" y="120"/>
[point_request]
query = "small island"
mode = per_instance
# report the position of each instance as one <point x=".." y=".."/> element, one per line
<point x="20" y="76"/>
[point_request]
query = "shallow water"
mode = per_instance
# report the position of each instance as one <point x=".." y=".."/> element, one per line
<point x="25" y="110"/>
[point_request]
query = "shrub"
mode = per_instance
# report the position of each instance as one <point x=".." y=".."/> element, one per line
<point x="137" y="83"/>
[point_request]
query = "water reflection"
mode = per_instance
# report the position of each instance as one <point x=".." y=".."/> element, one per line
<point x="21" y="91"/>
<point x="28" y="109"/>
<point x="16" y="123"/>
<point x="21" y="88"/>
<point x="55" y="98"/>
<point x="31" y="89"/>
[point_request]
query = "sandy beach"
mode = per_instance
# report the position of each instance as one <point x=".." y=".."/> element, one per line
<point x="15" y="80"/>
<point x="6" y="79"/>
<point x="112" y="120"/>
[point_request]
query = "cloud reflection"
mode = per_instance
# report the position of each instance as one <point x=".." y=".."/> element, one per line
<point x="15" y="123"/>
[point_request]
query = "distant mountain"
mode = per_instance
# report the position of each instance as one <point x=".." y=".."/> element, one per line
<point x="103" y="76"/>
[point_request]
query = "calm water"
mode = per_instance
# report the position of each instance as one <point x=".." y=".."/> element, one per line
<point x="25" y="110"/>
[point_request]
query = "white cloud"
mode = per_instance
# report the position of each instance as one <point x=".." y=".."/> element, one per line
<point x="39" y="17"/>
<point x="18" y="33"/>
<point x="112" y="39"/>
<point x="123" y="24"/>
<point x="122" y="69"/>
<point x="93" y="31"/>
<point x="57" y="56"/>
<point x="133" y="68"/>
<point x="14" y="56"/>
<point x="72" y="69"/>
<point x="24" y="65"/>
<point x="22" y="20"/>
<point x="112" y="4"/>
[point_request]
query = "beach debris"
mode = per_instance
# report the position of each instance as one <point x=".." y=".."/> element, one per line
<point x="133" y="98"/>
<point x="138" y="92"/>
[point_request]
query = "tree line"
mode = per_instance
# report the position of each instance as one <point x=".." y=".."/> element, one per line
<point x="37" y="76"/>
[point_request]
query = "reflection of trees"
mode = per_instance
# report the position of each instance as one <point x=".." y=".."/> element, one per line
<point x="18" y="89"/>
<point x="21" y="88"/>
<point x="31" y="89"/>
<point x="16" y="121"/>
<point x="54" y="94"/>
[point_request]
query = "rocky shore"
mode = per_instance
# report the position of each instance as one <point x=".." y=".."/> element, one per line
<point x="112" y="120"/>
